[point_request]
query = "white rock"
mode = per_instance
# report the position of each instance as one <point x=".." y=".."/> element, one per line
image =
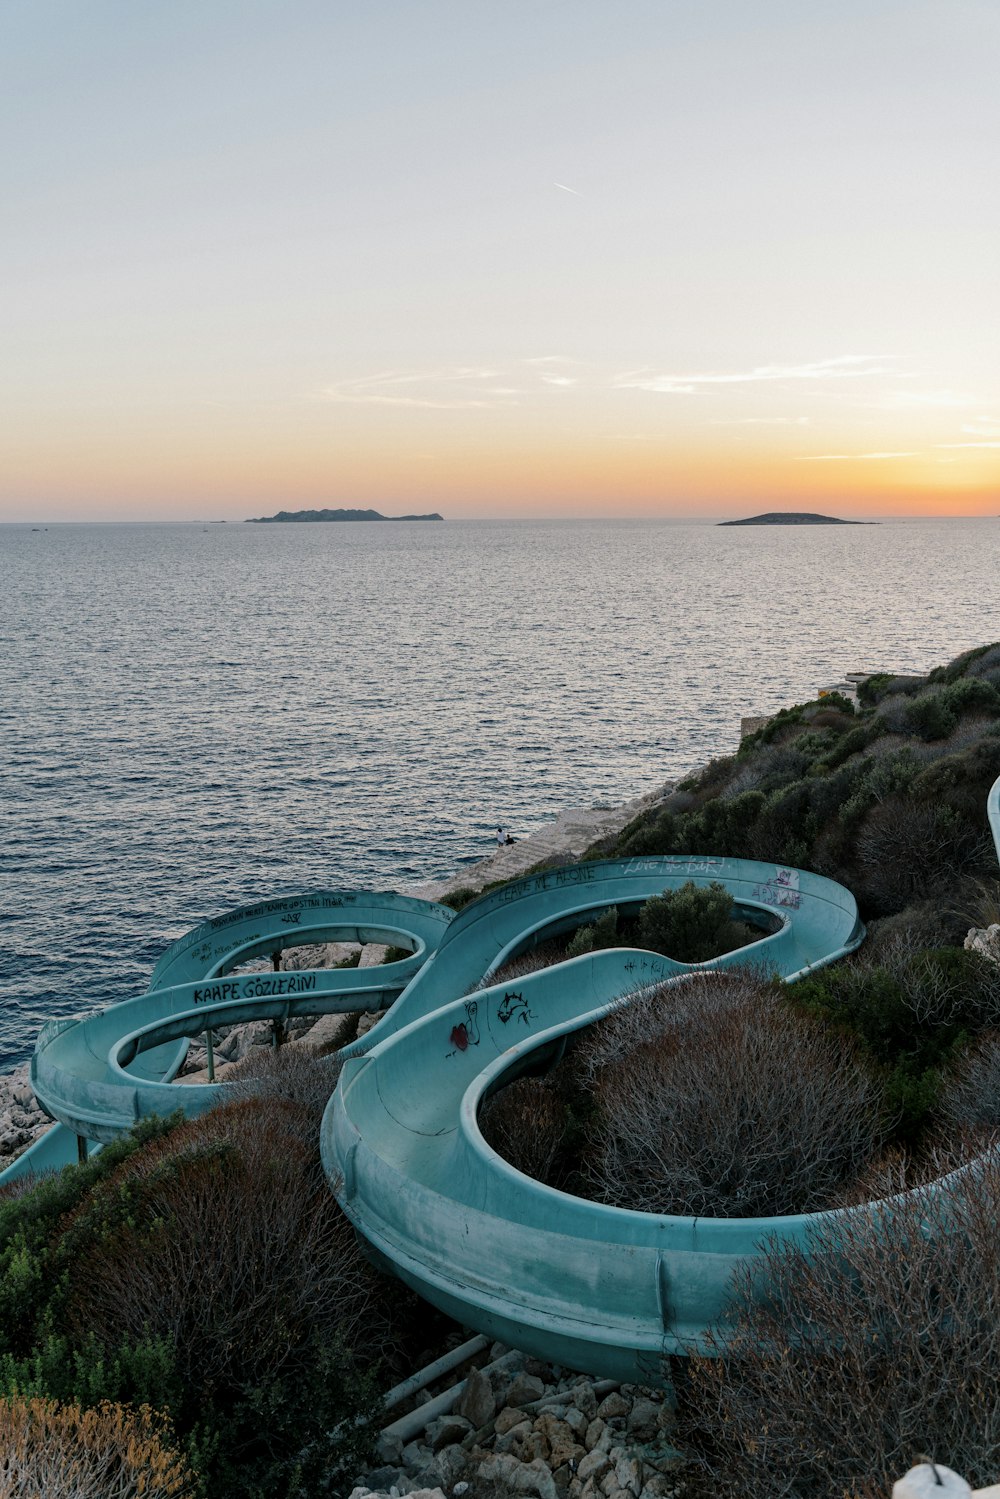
<point x="985" y="940"/>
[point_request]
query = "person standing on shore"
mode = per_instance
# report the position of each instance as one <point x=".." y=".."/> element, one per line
<point x="501" y="836"/>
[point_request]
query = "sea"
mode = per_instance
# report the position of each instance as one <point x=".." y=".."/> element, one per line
<point x="197" y="716"/>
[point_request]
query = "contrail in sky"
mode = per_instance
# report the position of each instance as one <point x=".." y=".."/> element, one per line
<point x="569" y="189"/>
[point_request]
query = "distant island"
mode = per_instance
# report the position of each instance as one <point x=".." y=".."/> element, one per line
<point x="795" y="518"/>
<point x="305" y="515"/>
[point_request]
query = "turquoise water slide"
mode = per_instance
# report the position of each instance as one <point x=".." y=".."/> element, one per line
<point x="97" y="1074"/>
<point x="577" y="1282"/>
<point x="594" y="1287"/>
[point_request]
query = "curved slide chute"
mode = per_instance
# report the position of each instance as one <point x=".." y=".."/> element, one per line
<point x="594" y="1287"/>
<point x="97" y="1074"/>
<point x="577" y="1282"/>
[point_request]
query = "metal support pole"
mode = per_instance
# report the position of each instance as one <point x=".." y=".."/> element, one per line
<point x="81" y="1149"/>
<point x="210" y="1051"/>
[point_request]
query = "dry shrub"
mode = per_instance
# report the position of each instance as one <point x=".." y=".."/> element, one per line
<point x="113" y="1452"/>
<point x="938" y="993"/>
<point x="849" y="1358"/>
<point x="521" y="964"/>
<point x="224" y="1238"/>
<point x="925" y="924"/>
<point x="909" y="850"/>
<point x="714" y="1099"/>
<point x="525" y="1123"/>
<point x="970" y="1097"/>
<point x="293" y="1073"/>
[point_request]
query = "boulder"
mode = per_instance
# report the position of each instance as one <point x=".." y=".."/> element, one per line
<point x="477" y="1402"/>
<point x="985" y="940"/>
<point x="521" y="1478"/>
<point x="524" y="1389"/>
<point x="643" y="1421"/>
<point x="613" y="1405"/>
<point x="447" y="1430"/>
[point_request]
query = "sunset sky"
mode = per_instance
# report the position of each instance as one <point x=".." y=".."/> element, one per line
<point x="529" y="257"/>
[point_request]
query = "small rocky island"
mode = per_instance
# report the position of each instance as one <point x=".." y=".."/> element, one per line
<point x="794" y="518"/>
<point x="310" y="515"/>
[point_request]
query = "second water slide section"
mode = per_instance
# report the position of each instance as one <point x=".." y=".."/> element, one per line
<point x="97" y="1074"/>
<point x="579" y="1283"/>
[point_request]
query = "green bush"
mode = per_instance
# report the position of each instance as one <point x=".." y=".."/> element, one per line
<point x="692" y="923"/>
<point x="912" y="1013"/>
<point x="593" y="938"/>
<point x="930" y="717"/>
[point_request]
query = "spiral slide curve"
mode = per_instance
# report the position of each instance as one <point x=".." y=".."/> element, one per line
<point x="597" y="1288"/>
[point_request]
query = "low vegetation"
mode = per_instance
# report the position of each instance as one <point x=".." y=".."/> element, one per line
<point x="845" y="1358"/>
<point x="856" y="1353"/>
<point x="110" y="1452"/>
<point x="204" y="1269"/>
<point x="188" y="1313"/>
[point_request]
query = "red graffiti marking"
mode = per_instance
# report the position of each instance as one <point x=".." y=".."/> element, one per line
<point x="460" y="1037"/>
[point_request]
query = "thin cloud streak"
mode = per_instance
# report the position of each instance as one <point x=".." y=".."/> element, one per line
<point x="850" y="457"/>
<point x="382" y="389"/>
<point x="843" y="367"/>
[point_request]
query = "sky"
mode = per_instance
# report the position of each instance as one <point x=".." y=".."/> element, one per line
<point x="691" y="258"/>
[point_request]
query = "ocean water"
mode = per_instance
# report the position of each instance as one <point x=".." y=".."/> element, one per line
<point x="194" y="717"/>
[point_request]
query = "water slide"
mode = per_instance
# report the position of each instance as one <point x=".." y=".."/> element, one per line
<point x="579" y="1283"/>
<point x="583" y="1284"/>
<point x="96" y="1074"/>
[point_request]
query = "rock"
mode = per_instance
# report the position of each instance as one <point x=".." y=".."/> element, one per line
<point x="562" y="1477"/>
<point x="522" y="1478"/>
<point x="985" y="940"/>
<point x="25" y="1098"/>
<point x="513" y="1437"/>
<point x="628" y="1471"/>
<point x="389" y="1449"/>
<point x="532" y="1447"/>
<point x="562" y="1446"/>
<point x="508" y="1419"/>
<point x="502" y="1375"/>
<point x="643" y="1420"/>
<point x="613" y="1405"/>
<point x="524" y="1389"/>
<point x="451" y="1462"/>
<point x="593" y="1434"/>
<point x="577" y="1422"/>
<point x="477" y="1402"/>
<point x="415" y="1457"/>
<point x="594" y="1465"/>
<point x="657" y="1486"/>
<point x="370" y="1018"/>
<point x="383" y="1479"/>
<point x="447" y="1430"/>
<point x="243" y="1038"/>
